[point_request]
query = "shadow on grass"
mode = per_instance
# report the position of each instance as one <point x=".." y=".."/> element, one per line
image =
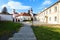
<point x="6" y="36"/>
<point x="8" y="28"/>
<point x="46" y="33"/>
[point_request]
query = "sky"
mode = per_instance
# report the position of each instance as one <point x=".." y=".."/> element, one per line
<point x="25" y="5"/>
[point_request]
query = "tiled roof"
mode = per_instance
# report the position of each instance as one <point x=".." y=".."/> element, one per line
<point x="23" y="14"/>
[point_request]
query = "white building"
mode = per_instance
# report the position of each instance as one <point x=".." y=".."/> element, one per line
<point x="6" y="17"/>
<point x="22" y="16"/>
<point x="50" y="15"/>
<point x="16" y="17"/>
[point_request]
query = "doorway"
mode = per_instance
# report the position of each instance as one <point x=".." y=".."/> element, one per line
<point x="46" y="19"/>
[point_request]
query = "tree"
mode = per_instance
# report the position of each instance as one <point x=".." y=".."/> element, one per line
<point x="4" y="10"/>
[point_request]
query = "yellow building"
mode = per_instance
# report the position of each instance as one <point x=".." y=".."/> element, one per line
<point x="50" y="15"/>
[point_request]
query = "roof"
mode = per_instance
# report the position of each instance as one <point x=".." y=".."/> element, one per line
<point x="50" y="6"/>
<point x="23" y="14"/>
<point x="6" y="14"/>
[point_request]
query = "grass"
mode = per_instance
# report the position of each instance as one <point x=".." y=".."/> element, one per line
<point x="46" y="33"/>
<point x="8" y="28"/>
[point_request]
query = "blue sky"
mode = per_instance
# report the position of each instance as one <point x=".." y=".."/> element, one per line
<point x="25" y="5"/>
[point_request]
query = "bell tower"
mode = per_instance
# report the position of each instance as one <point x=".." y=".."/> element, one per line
<point x="13" y="11"/>
<point x="31" y="12"/>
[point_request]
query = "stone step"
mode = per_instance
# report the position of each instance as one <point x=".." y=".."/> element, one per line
<point x="22" y="39"/>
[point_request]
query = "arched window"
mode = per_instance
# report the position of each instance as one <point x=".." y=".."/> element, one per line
<point x="55" y="18"/>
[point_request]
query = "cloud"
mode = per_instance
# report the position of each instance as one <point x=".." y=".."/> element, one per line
<point x="16" y="5"/>
<point x="47" y="2"/>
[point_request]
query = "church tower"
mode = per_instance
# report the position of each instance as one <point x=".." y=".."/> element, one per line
<point x="31" y="12"/>
<point x="13" y="11"/>
<point x="14" y="19"/>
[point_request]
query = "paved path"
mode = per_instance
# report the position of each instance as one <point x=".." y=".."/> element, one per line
<point x="25" y="33"/>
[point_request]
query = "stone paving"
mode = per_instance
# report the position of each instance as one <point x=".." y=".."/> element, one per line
<point x="25" y="33"/>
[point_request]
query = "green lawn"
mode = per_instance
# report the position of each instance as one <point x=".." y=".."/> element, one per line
<point x="8" y="28"/>
<point x="46" y="33"/>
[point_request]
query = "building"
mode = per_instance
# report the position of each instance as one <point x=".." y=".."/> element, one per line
<point x="50" y="15"/>
<point x="22" y="16"/>
<point x="17" y="17"/>
<point x="6" y="17"/>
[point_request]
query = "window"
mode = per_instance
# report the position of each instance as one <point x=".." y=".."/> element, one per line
<point x="55" y="18"/>
<point x="50" y="11"/>
<point x="50" y="18"/>
<point x="46" y="12"/>
<point x="55" y="8"/>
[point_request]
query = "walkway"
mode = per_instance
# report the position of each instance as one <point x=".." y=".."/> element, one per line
<point x="25" y="33"/>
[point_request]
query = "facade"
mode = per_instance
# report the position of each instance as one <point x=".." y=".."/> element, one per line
<point x="50" y="15"/>
<point x="16" y="17"/>
<point x="22" y="16"/>
<point x="6" y="17"/>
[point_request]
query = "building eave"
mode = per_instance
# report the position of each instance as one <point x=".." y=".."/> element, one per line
<point x="49" y="7"/>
